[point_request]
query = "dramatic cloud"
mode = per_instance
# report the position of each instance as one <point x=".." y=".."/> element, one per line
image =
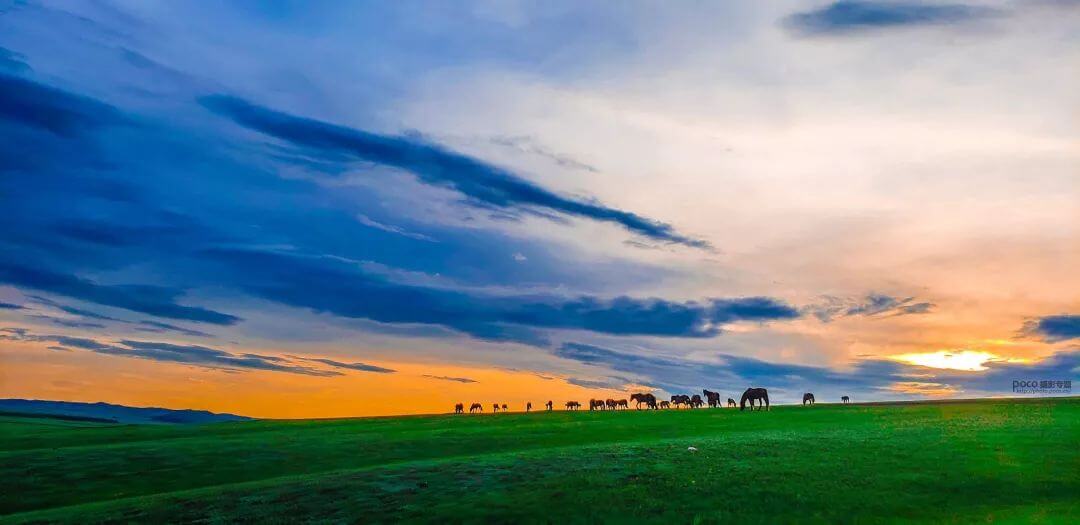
<point x="1054" y="328"/>
<point x="873" y="305"/>
<point x="455" y="379"/>
<point x="154" y="300"/>
<point x="10" y="306"/>
<point x="330" y="285"/>
<point x="856" y="15"/>
<point x="43" y="107"/>
<point x="433" y="164"/>
<point x="194" y="355"/>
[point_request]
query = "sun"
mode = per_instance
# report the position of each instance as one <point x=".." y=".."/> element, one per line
<point x="969" y="360"/>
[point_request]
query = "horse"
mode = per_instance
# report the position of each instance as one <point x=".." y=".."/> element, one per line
<point x="731" y="402"/>
<point x="596" y="404"/>
<point x="572" y="405"/>
<point x="476" y="407"/>
<point x="548" y="405"/>
<point x="459" y="408"/>
<point x="751" y="394"/>
<point x="713" y="397"/>
<point x="845" y="399"/>
<point x="696" y="402"/>
<point x="648" y="399"/>
<point x="621" y="403"/>
<point x="807" y="398"/>
<point x="528" y="406"/>
<point x="665" y="404"/>
<point x="611" y="405"/>
<point x="504" y="407"/>
<point x="680" y="399"/>
<point x="495" y="407"/>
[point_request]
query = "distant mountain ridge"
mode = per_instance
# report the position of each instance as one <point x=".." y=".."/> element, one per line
<point x="115" y="413"/>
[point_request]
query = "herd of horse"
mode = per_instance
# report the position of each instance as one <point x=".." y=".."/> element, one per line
<point x="760" y="396"/>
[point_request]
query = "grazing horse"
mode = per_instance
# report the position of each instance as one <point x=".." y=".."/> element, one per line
<point x="731" y="402"/>
<point x="495" y="407"/>
<point x="504" y="407"/>
<point x="648" y="399"/>
<point x="528" y="406"/>
<point x="713" y="397"/>
<point x="680" y="399"/>
<point x="572" y="405"/>
<point x="845" y="399"/>
<point x="665" y="404"/>
<point x="610" y="404"/>
<point x="621" y="403"/>
<point x="596" y="404"/>
<point x="807" y="398"/>
<point x="459" y="408"/>
<point x="696" y="402"/>
<point x="476" y="407"/>
<point x="549" y="404"/>
<point x="751" y="394"/>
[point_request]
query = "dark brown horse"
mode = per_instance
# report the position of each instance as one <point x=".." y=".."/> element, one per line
<point x="665" y="404"/>
<point x="495" y="407"/>
<point x="680" y="399"/>
<point x="731" y="403"/>
<point x="504" y="407"/>
<point x="596" y="404"/>
<point x="459" y="408"/>
<point x="712" y="397"/>
<point x="572" y="405"/>
<point x="476" y="407"/>
<point x="845" y="399"/>
<point x="648" y="400"/>
<point x="528" y="406"/>
<point x="807" y="398"/>
<point x="549" y="404"/>
<point x="696" y="402"/>
<point x="754" y="394"/>
<point x="621" y="403"/>
<point x="610" y="404"/>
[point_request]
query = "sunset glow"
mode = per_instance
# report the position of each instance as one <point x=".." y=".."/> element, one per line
<point x="345" y="209"/>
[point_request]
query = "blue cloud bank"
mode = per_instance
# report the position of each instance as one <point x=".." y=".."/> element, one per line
<point x="1055" y="328"/>
<point x="853" y="15"/>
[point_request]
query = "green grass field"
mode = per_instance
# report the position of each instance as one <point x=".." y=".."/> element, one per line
<point x="986" y="461"/>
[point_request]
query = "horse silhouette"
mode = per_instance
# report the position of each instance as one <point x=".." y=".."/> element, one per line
<point x="759" y="394"/>
<point x="504" y="407"/>
<point x="621" y="403"/>
<point x="696" y="402"/>
<point x="845" y="399"/>
<point x="596" y="404"/>
<point x="648" y="399"/>
<point x="731" y="402"/>
<point x="528" y="406"/>
<point x="808" y="398"/>
<point x="610" y="404"/>
<point x="680" y="399"/>
<point x="665" y="404"/>
<point x="572" y="405"/>
<point x="459" y="408"/>
<point x="548" y="405"/>
<point x="495" y="407"/>
<point x="713" y="397"/>
<point x="476" y="407"/>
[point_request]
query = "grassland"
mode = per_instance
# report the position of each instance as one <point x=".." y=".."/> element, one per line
<point x="998" y="461"/>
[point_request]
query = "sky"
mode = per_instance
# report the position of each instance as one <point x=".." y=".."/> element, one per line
<point x="326" y="209"/>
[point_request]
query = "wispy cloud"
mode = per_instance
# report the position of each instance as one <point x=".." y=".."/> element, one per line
<point x="455" y="379"/>
<point x="360" y="367"/>
<point x="873" y="305"/>
<point x="434" y="164"/>
<point x="852" y="16"/>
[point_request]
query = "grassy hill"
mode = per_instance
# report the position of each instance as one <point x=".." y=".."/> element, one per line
<point x="998" y="460"/>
